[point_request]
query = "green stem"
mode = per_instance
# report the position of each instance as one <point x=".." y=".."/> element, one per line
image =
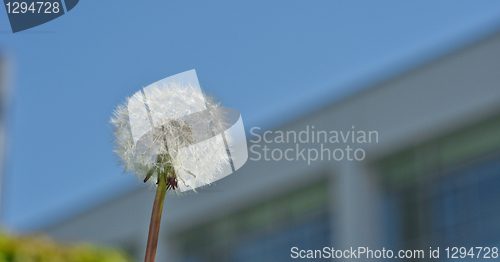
<point x="154" y="226"/>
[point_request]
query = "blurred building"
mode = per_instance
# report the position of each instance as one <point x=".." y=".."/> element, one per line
<point x="431" y="179"/>
<point x="4" y="80"/>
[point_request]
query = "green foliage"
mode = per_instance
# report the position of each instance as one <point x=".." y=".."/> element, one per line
<point x="42" y="249"/>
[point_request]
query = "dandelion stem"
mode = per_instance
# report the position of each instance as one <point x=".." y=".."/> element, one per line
<point x="154" y="226"/>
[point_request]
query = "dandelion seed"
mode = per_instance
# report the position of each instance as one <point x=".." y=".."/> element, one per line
<point x="151" y="137"/>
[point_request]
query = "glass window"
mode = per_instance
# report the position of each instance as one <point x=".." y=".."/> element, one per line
<point x="445" y="192"/>
<point x="265" y="232"/>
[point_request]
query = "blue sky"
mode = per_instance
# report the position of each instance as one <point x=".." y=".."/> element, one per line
<point x="272" y="60"/>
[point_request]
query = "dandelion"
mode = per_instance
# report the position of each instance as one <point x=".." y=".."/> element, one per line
<point x="173" y="135"/>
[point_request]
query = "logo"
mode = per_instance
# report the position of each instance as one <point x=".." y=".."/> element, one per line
<point x="28" y="14"/>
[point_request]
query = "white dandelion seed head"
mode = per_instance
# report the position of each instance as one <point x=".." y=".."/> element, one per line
<point x="175" y="119"/>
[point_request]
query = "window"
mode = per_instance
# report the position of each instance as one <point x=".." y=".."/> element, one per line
<point x="265" y="232"/>
<point x="445" y="192"/>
